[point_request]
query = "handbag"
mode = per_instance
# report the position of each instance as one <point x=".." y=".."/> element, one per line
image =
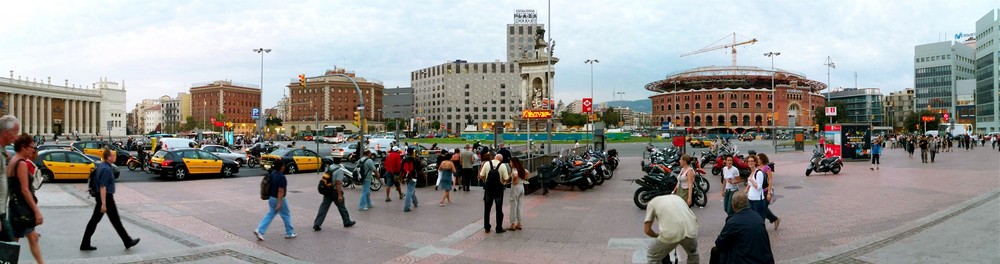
<point x="9" y="252"/>
<point x="21" y="215"/>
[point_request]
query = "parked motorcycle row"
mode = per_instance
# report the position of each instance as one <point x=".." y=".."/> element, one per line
<point x="661" y="171"/>
<point x="580" y="172"/>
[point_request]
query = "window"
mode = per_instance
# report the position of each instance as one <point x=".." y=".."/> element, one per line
<point x="697" y="105"/>
<point x="758" y="105"/>
<point x="732" y="105"/>
<point x="708" y="97"/>
<point x="708" y="106"/>
<point x="722" y="106"/>
<point x="746" y="105"/>
<point x="56" y="157"/>
<point x="687" y="106"/>
<point x="502" y="93"/>
<point x="677" y="106"/>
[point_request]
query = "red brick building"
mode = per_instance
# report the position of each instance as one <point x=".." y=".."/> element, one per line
<point x="233" y="100"/>
<point x="334" y="100"/>
<point x="714" y="99"/>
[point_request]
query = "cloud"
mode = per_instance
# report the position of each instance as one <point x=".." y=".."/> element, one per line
<point x="162" y="47"/>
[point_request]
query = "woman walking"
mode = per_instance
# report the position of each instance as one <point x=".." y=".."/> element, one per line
<point x="21" y="186"/>
<point x="755" y="191"/>
<point x="768" y="189"/>
<point x="517" y="178"/>
<point x="105" y="183"/>
<point x="685" y="179"/>
<point x="446" y="178"/>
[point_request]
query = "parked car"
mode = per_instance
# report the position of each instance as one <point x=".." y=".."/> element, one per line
<point x="344" y="150"/>
<point x="296" y="160"/>
<point x="61" y="164"/>
<point x="180" y="163"/>
<point x="225" y="153"/>
<point x="96" y="148"/>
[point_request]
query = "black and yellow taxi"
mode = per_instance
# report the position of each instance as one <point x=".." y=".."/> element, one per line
<point x="61" y="164"/>
<point x="94" y="147"/>
<point x="183" y="162"/>
<point x="296" y="159"/>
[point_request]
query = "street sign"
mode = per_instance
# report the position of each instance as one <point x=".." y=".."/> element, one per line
<point x="212" y="119"/>
<point x="255" y="113"/>
<point x="946" y="117"/>
<point x="218" y="124"/>
<point x="664" y="125"/>
<point x="831" y="111"/>
<point x="927" y="118"/>
<point x="536" y="114"/>
<point x="588" y="105"/>
<point x="361" y="107"/>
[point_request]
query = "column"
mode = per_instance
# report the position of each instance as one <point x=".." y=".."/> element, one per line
<point x="65" y="118"/>
<point x="36" y="104"/>
<point x="70" y="121"/>
<point x="48" y="111"/>
<point x="31" y="116"/>
<point x="89" y="120"/>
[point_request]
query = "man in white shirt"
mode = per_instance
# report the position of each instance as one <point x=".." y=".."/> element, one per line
<point x="494" y="190"/>
<point x="731" y="178"/>
<point x="677" y="225"/>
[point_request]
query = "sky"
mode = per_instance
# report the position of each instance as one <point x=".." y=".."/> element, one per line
<point x="163" y="47"/>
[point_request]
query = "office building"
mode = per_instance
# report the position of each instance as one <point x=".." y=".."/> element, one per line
<point x="227" y="102"/>
<point x="153" y="119"/>
<point x="521" y="34"/>
<point x="461" y="93"/>
<point x="987" y="66"/>
<point x="937" y="68"/>
<point x="861" y="105"/>
<point x="898" y="105"/>
<point x="333" y="99"/>
<point x="398" y="103"/>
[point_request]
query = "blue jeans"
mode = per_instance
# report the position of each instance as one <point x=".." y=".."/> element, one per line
<point x="365" y="201"/>
<point x="760" y="207"/>
<point x="411" y="188"/>
<point x="284" y="213"/>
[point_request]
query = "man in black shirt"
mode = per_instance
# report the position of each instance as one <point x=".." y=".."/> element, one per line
<point x="505" y="153"/>
<point x="923" y="149"/>
<point x="744" y="238"/>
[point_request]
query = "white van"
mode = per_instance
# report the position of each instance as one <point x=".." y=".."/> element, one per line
<point x="176" y="143"/>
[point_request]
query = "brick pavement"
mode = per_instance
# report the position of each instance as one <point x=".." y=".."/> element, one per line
<point x="820" y="213"/>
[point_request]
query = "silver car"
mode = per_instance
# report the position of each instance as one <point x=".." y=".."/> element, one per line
<point x="225" y="153"/>
<point x="344" y="150"/>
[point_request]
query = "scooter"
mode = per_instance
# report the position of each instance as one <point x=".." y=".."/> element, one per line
<point x="252" y="161"/>
<point x="660" y="181"/>
<point x="354" y="179"/>
<point x="820" y="164"/>
<point x="612" y="159"/>
<point x="133" y="163"/>
<point x="558" y="173"/>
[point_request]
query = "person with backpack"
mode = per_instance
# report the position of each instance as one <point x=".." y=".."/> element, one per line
<point x="275" y="189"/>
<point x="330" y="188"/>
<point x="102" y="187"/>
<point x="496" y="174"/>
<point x="411" y="168"/>
<point x="768" y="168"/>
<point x="23" y="183"/>
<point x="755" y="189"/>
<point x="367" y="167"/>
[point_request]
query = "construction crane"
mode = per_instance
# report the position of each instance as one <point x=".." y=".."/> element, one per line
<point x="729" y="45"/>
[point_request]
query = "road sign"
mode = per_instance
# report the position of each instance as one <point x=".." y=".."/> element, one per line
<point x="831" y="111"/>
<point x="255" y="113"/>
<point x="588" y="105"/>
<point x="218" y="124"/>
<point x="946" y="117"/>
<point x="212" y="119"/>
<point x="361" y="107"/>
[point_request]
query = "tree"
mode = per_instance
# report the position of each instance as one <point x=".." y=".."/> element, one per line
<point x="914" y="119"/>
<point x="573" y="119"/>
<point x="821" y="119"/>
<point x="190" y="124"/>
<point x="273" y="121"/>
<point x="435" y="125"/>
<point x="610" y="117"/>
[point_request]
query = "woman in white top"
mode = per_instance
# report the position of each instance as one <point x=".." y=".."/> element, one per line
<point x="685" y="179"/>
<point x="731" y="178"/>
<point x="755" y="192"/>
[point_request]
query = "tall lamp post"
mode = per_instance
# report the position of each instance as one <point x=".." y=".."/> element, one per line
<point x="591" y="62"/>
<point x="260" y="121"/>
<point x="774" y="106"/>
<point x="621" y="95"/>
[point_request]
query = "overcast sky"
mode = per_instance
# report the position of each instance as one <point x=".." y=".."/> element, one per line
<point x="162" y="47"/>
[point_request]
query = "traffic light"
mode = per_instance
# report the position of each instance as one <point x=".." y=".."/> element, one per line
<point x="302" y="80"/>
<point x="357" y="118"/>
<point x="816" y="128"/>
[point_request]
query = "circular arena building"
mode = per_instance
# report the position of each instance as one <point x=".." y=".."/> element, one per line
<point x="717" y="99"/>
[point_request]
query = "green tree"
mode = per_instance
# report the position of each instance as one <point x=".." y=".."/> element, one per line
<point x="573" y="119"/>
<point x="820" y="118"/>
<point x="435" y="125"/>
<point x="273" y="121"/>
<point x="611" y="117"/>
<point x="190" y="124"/>
<point x="914" y="119"/>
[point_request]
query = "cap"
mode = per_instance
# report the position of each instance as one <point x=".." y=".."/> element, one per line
<point x="451" y="151"/>
<point x="395" y="148"/>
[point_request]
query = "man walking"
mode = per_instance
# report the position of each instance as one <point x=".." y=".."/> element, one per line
<point x="277" y="203"/>
<point x="411" y="168"/>
<point x="393" y="162"/>
<point x="496" y="175"/>
<point x="9" y="125"/>
<point x="923" y="149"/>
<point x="934" y="147"/>
<point x="367" y="171"/>
<point x="468" y="172"/>
<point x="105" y="182"/>
<point x="744" y="238"/>
<point x="336" y="196"/>
<point x="876" y="153"/>
<point x="678" y="227"/>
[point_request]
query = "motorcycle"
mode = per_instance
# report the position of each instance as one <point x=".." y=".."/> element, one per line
<point x="612" y="159"/>
<point x="738" y="162"/>
<point x="353" y="181"/>
<point x="252" y="161"/>
<point x="558" y="172"/>
<point x="820" y="164"/>
<point x="133" y="163"/>
<point x="600" y="167"/>
<point x="661" y="181"/>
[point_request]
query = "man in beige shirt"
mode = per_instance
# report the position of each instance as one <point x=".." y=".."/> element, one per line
<point x="496" y="174"/>
<point x="677" y="225"/>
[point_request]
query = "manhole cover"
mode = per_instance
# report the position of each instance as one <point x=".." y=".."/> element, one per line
<point x="793" y="187"/>
<point x="295" y="191"/>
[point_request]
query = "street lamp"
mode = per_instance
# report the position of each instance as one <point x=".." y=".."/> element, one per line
<point x="622" y="94"/>
<point x="591" y="62"/>
<point x="260" y="121"/>
<point x="774" y="107"/>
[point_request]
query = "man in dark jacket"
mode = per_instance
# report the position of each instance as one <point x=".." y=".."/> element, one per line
<point x="505" y="153"/>
<point x="744" y="238"/>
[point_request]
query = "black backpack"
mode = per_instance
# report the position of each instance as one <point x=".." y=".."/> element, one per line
<point x="265" y="187"/>
<point x="493" y="184"/>
<point x="92" y="188"/>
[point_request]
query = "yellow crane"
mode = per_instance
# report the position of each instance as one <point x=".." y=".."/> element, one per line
<point x="728" y="45"/>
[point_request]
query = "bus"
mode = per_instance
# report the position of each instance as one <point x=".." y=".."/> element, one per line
<point x="332" y="134"/>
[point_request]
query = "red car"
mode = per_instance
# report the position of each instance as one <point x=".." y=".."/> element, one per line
<point x="430" y="135"/>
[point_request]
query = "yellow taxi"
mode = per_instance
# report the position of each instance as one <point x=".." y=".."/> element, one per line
<point x="61" y="164"/>
<point x="180" y="163"/>
<point x="96" y="148"/>
<point x="295" y="160"/>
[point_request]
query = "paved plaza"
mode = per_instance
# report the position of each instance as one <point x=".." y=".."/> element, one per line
<point x="906" y="212"/>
